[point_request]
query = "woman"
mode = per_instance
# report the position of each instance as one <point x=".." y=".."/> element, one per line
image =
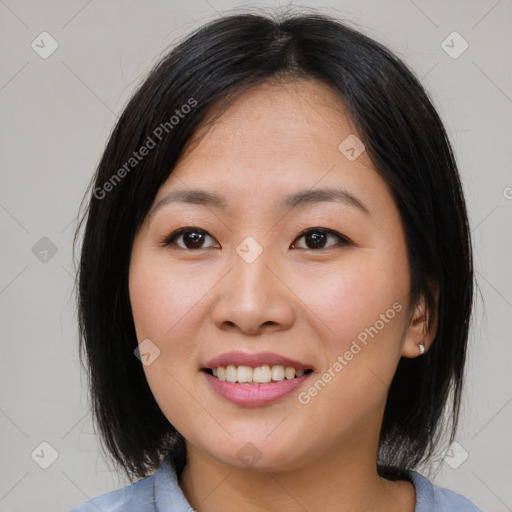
<point x="276" y="279"/>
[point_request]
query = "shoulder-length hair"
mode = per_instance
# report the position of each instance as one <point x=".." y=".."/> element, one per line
<point x="407" y="144"/>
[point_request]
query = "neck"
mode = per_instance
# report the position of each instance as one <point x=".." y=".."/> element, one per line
<point x="335" y="481"/>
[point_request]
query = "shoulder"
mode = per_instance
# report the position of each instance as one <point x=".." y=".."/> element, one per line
<point x="430" y="497"/>
<point x="159" y="492"/>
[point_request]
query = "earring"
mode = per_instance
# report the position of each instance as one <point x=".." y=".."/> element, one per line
<point x="421" y="346"/>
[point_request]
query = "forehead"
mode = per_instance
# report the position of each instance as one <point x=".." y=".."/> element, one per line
<point x="274" y="118"/>
<point x="274" y="139"/>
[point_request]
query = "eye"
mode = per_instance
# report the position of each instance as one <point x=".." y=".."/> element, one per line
<point x="193" y="238"/>
<point x="317" y="238"/>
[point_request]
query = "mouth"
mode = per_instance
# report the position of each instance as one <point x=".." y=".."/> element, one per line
<point x="252" y="380"/>
<point x="264" y="374"/>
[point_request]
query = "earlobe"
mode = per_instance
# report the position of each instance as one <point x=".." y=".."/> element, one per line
<point x="412" y="348"/>
<point x="422" y="329"/>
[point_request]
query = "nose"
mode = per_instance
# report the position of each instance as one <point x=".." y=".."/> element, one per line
<point x="253" y="298"/>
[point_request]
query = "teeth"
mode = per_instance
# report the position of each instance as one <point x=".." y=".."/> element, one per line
<point x="262" y="375"/>
<point x="259" y="375"/>
<point x="231" y="373"/>
<point x="244" y="374"/>
<point x="277" y="372"/>
<point x="289" y="373"/>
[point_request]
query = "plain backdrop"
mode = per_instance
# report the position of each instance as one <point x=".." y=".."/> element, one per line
<point x="57" y="111"/>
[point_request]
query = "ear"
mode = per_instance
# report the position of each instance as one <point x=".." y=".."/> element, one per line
<point x="419" y="330"/>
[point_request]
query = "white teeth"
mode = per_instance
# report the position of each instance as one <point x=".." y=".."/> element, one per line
<point x="244" y="374"/>
<point x="259" y="375"/>
<point x="277" y="372"/>
<point x="289" y="373"/>
<point x="262" y="374"/>
<point x="231" y="373"/>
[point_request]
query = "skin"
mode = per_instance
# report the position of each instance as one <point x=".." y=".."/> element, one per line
<point x="305" y="303"/>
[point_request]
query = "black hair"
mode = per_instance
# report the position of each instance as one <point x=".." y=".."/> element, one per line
<point x="405" y="140"/>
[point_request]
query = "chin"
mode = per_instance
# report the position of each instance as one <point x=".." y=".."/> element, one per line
<point x="260" y="455"/>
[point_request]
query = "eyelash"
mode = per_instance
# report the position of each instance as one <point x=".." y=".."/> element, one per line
<point x="169" y="240"/>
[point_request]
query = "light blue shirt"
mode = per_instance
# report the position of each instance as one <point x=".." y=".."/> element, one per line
<point x="161" y="492"/>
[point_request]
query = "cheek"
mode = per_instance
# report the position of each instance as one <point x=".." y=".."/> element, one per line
<point x="161" y="298"/>
<point x="163" y="305"/>
<point x="362" y="306"/>
<point x="363" y="318"/>
<point x="352" y="297"/>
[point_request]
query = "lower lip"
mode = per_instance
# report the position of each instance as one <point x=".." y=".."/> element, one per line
<point x="254" y="395"/>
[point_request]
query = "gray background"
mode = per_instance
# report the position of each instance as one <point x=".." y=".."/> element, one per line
<point x="56" y="115"/>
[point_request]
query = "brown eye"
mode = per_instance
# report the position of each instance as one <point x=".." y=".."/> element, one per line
<point x="317" y="239"/>
<point x="190" y="238"/>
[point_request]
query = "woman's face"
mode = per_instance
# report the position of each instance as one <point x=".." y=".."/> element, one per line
<point x="260" y="280"/>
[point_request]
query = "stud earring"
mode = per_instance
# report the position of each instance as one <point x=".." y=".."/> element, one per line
<point x="421" y="346"/>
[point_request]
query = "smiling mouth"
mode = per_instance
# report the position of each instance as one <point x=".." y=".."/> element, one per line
<point x="265" y="374"/>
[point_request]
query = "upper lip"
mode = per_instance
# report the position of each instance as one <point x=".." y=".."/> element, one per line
<point x="239" y="358"/>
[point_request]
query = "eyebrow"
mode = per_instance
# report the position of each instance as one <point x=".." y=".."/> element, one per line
<point x="298" y="199"/>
